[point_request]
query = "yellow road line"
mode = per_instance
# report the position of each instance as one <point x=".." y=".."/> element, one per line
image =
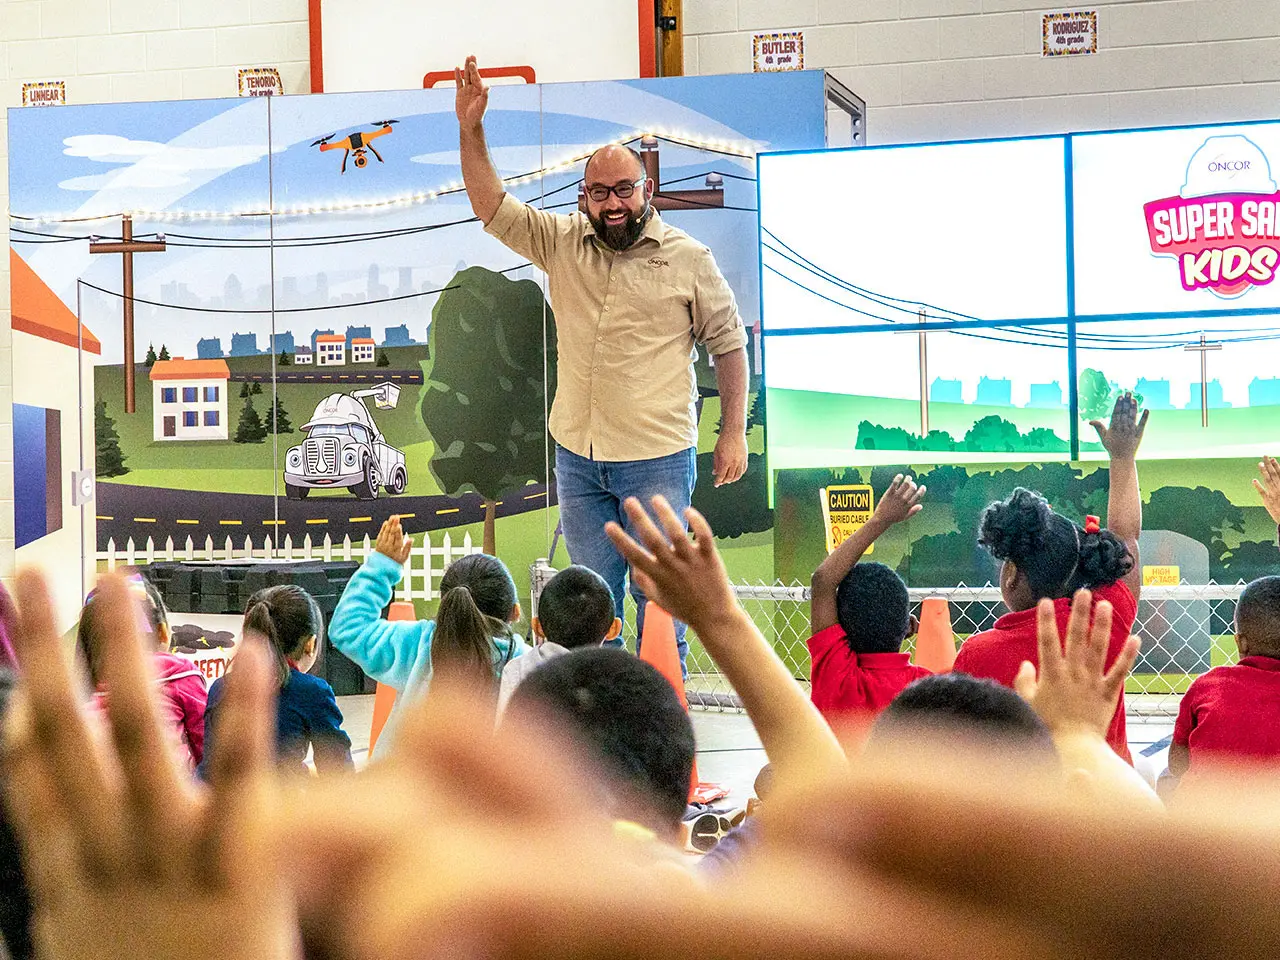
<point x="441" y="513"/>
<point x="535" y="496"/>
<point x="106" y="518"/>
<point x="230" y="523"/>
<point x="406" y="516"/>
<point x="189" y="522"/>
<point x="317" y="521"/>
<point x="359" y="519"/>
<point x="144" y="519"/>
<point x="273" y="523"/>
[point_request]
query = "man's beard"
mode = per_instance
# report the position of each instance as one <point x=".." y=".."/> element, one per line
<point x="624" y="234"/>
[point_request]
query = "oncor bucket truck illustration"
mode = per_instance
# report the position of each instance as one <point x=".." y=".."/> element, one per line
<point x="345" y="448"/>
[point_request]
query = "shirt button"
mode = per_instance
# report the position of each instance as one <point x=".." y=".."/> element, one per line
<point x="595" y="403"/>
<point x="606" y="307"/>
<point x="599" y="339"/>
<point x="612" y="279"/>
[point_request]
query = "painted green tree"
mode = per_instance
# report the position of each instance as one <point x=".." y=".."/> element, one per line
<point x="284" y="359"/>
<point x="279" y="419"/>
<point x="150" y="361"/>
<point x="250" y="429"/>
<point x="1094" y="391"/>
<point x="738" y="508"/>
<point x="383" y="360"/>
<point x="109" y="458"/>
<point x="484" y="395"/>
<point x="164" y="353"/>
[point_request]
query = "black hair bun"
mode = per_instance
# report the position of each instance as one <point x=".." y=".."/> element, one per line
<point x="1016" y="528"/>
<point x="1104" y="559"/>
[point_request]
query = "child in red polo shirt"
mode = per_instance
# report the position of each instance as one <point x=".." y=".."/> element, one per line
<point x="1047" y="556"/>
<point x="1233" y="713"/>
<point x="860" y="616"/>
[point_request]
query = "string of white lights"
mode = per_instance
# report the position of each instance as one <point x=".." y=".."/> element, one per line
<point x="728" y="147"/>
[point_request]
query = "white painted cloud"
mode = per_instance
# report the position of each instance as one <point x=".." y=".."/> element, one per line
<point x="516" y="159"/>
<point x="108" y="148"/>
<point x="133" y="176"/>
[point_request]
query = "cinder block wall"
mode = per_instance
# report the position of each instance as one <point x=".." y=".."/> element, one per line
<point x="954" y="69"/>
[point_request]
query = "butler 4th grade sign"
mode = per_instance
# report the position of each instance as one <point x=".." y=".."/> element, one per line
<point x="771" y="52"/>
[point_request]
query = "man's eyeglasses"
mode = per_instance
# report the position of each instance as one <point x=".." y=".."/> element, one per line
<point x="600" y="193"/>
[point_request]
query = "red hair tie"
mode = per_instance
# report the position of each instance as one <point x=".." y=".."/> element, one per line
<point x="1092" y="525"/>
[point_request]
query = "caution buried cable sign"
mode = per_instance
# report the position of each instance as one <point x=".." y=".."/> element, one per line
<point x="845" y="510"/>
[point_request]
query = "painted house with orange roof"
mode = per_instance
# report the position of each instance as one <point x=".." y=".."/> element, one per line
<point x="331" y="350"/>
<point x="362" y="349"/>
<point x="53" y="437"/>
<point x="189" y="399"/>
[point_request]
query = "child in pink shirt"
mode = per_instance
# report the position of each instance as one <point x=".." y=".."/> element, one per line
<point x="182" y="688"/>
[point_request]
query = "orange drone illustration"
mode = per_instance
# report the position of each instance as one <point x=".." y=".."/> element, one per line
<point x="355" y="144"/>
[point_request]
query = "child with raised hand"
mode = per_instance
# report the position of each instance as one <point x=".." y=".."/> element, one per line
<point x="860" y="615"/>
<point x="183" y="695"/>
<point x="470" y="637"/>
<point x="1232" y="713"/>
<point x="1268" y="488"/>
<point x="575" y="611"/>
<point x="687" y="578"/>
<point x="1046" y="556"/>
<point x="287" y="621"/>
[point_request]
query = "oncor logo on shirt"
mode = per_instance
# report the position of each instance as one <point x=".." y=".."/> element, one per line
<point x="1223" y="227"/>
<point x="658" y="262"/>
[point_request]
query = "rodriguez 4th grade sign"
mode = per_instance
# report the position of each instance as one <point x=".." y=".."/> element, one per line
<point x="1223" y="227"/>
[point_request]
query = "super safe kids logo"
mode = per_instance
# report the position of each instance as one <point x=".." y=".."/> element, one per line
<point x="1223" y="228"/>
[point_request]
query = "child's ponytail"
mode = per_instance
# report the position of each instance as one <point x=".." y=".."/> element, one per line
<point x="258" y="619"/>
<point x="463" y="644"/>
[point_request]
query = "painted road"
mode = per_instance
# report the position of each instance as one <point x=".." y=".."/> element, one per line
<point x="125" y="511"/>
<point x="314" y="375"/>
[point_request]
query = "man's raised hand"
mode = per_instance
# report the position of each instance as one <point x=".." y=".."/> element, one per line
<point x="473" y="94"/>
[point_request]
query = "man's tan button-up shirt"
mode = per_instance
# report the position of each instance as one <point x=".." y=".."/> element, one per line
<point x="626" y="327"/>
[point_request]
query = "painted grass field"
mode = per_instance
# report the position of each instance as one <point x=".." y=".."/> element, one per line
<point x="813" y="429"/>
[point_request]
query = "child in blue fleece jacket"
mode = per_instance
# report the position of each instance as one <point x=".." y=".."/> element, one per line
<point x="471" y="634"/>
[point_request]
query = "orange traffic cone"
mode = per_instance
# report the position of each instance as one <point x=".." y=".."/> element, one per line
<point x="384" y="697"/>
<point x="658" y="649"/>
<point x="935" y="643"/>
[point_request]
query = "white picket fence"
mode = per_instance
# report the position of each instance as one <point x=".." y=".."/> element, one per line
<point x="426" y="565"/>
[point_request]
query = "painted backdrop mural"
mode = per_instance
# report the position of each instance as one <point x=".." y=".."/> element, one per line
<point x="291" y="325"/>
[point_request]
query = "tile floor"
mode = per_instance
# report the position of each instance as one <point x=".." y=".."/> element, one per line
<point x="729" y="751"/>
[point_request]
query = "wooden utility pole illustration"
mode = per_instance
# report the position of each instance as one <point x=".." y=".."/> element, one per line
<point x="127" y="247"/>
<point x="1203" y="348"/>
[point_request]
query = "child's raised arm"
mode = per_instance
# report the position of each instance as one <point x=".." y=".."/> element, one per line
<point x="1124" y="502"/>
<point x="687" y="579"/>
<point x="384" y="650"/>
<point x="900" y="501"/>
<point x="1269" y="487"/>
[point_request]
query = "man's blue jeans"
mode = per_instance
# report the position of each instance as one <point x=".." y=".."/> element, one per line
<point x="591" y="494"/>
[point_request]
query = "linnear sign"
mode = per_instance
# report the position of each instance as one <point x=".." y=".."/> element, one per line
<point x="46" y="93"/>
<point x="1223" y="227"/>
